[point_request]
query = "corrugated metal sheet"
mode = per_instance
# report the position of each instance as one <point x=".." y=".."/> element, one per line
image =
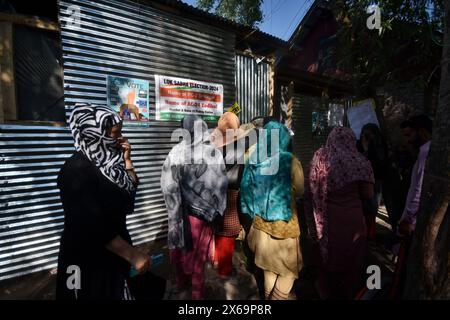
<point x="131" y="40"/>
<point x="252" y="87"/>
<point x="31" y="216"/>
<point x="226" y="23"/>
<point x="305" y="145"/>
<point x="123" y="38"/>
<point x="116" y="38"/>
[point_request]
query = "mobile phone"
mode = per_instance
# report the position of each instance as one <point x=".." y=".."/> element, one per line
<point x="157" y="260"/>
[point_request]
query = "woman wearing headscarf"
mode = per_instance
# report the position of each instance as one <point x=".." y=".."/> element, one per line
<point x="272" y="180"/>
<point x="339" y="179"/>
<point x="97" y="187"/>
<point x="194" y="185"/>
<point x="373" y="147"/>
<point x="229" y="137"/>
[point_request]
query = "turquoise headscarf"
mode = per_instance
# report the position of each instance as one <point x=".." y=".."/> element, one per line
<point x="266" y="186"/>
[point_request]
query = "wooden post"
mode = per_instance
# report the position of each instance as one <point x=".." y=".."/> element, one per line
<point x="32" y="22"/>
<point x="271" y="87"/>
<point x="290" y="105"/>
<point x="2" y="113"/>
<point x="8" y="110"/>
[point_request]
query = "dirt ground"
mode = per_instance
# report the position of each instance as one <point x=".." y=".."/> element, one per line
<point x="245" y="284"/>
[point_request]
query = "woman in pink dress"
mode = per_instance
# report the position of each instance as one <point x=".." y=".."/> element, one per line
<point x="339" y="179"/>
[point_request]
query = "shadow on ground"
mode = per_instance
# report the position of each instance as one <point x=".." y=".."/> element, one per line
<point x="246" y="283"/>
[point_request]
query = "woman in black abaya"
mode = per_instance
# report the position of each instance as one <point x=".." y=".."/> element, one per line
<point x="97" y="186"/>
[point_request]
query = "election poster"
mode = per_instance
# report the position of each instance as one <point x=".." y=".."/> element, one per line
<point x="177" y="97"/>
<point x="130" y="98"/>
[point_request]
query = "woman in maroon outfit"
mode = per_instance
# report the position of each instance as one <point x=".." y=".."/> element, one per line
<point x="339" y="179"/>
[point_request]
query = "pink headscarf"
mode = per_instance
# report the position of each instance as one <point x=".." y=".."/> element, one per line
<point x="334" y="166"/>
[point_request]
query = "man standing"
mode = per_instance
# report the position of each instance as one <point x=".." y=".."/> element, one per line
<point x="417" y="132"/>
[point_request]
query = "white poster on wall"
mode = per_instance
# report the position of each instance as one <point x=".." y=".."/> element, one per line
<point x="177" y="97"/>
<point x="360" y="114"/>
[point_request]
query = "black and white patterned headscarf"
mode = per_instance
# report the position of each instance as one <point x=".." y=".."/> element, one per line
<point x="89" y="125"/>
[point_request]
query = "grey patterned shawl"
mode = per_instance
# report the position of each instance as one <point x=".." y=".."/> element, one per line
<point x="193" y="181"/>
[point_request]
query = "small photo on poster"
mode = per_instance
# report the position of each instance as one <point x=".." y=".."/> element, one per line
<point x="319" y="124"/>
<point x="130" y="98"/>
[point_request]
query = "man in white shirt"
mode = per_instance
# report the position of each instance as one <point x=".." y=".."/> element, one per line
<point x="417" y="131"/>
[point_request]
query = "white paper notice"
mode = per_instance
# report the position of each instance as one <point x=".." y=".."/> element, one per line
<point x="360" y="114"/>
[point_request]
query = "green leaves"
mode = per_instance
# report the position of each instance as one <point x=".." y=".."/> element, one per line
<point x="404" y="49"/>
<point x="246" y="12"/>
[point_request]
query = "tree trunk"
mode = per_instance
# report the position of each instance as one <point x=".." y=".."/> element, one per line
<point x="429" y="259"/>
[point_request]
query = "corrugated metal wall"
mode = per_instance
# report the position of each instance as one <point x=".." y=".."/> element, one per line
<point x="116" y="38"/>
<point x="252" y="87"/>
<point x="31" y="216"/>
<point x="305" y="145"/>
<point x="123" y="38"/>
<point x="31" y="213"/>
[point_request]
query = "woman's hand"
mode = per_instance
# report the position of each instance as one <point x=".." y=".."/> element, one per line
<point x="124" y="144"/>
<point x="141" y="262"/>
